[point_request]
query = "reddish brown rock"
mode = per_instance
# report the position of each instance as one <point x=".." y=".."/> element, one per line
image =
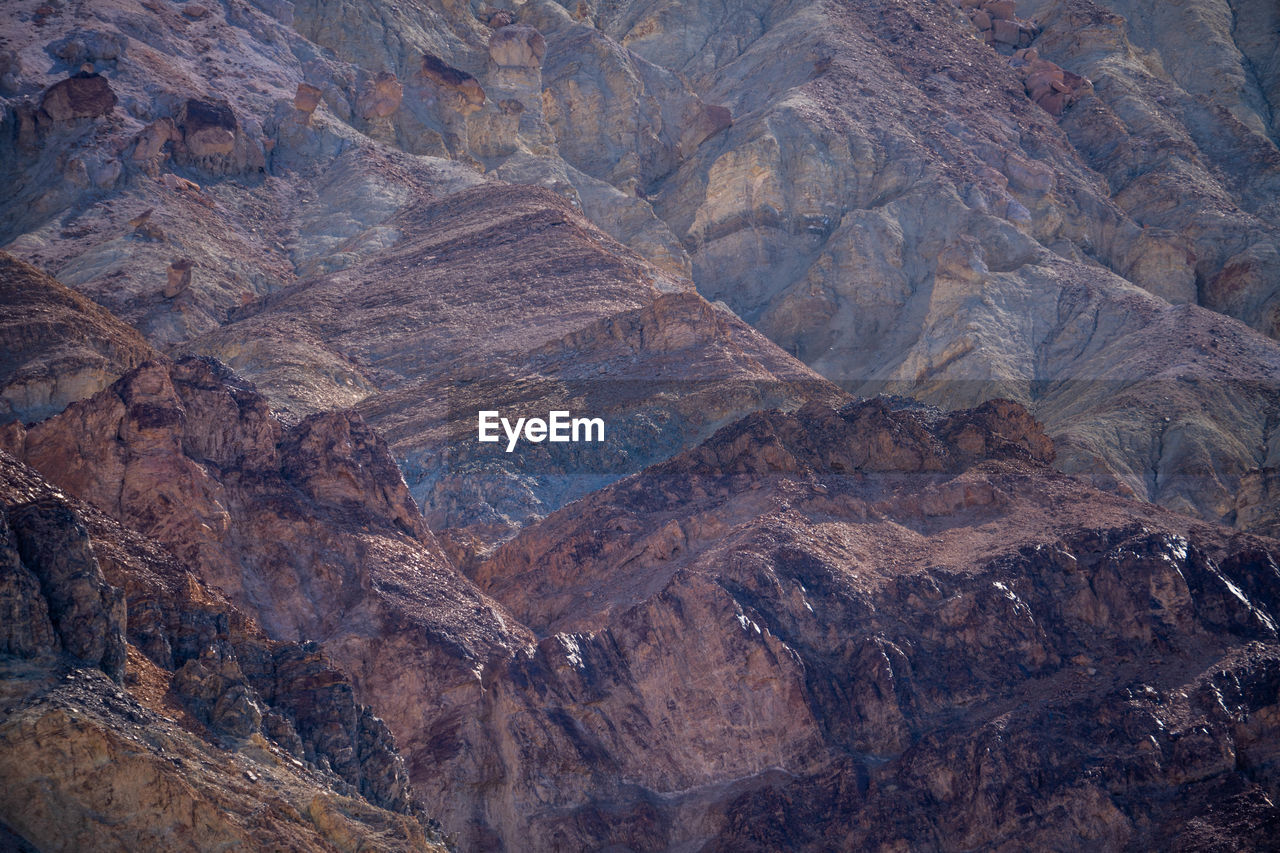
<point x="307" y="98"/>
<point x="334" y="548"/>
<point x="962" y="571"/>
<point x="179" y="277"/>
<point x="182" y="744"/>
<point x="517" y="46"/>
<point x="1000" y="9"/>
<point x="1006" y="32"/>
<point x="381" y="97"/>
<point x="84" y="95"/>
<point x="464" y="90"/>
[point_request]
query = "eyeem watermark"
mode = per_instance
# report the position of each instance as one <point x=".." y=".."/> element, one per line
<point x="557" y="427"/>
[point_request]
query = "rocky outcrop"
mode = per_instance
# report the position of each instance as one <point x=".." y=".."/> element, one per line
<point x="998" y="23"/>
<point x="85" y="95"/>
<point x="1050" y="86"/>
<point x="823" y="627"/>
<point x="967" y="577"/>
<point x="86" y="613"/>
<point x="203" y="688"/>
<point x="27" y="631"/>
<point x="213" y="141"/>
<point x="545" y="322"/>
<point x="59" y="347"/>
<point x="517" y="46"/>
<point x="381" y="97"/>
<point x="922" y="620"/>
<point x="311" y="530"/>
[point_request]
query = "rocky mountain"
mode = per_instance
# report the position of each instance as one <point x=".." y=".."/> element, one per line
<point x="898" y="194"/>
<point x="59" y="347"/>
<point x="142" y="710"/>
<point x="264" y="262"/>
<point x="910" y="634"/>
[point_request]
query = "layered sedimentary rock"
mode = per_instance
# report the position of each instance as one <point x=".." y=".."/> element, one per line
<point x="503" y="298"/>
<point x="889" y="192"/>
<point x="58" y="346"/>
<point x="821" y="628"/>
<point x="140" y="707"/>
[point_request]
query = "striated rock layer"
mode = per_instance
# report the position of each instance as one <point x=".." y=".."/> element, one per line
<point x="58" y="346"/>
<point x="757" y="616"/>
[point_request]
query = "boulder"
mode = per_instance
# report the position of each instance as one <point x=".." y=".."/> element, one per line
<point x="1006" y="31"/>
<point x="307" y="98"/>
<point x="1000" y="9"/>
<point x="80" y="96"/>
<point x="517" y="46"/>
<point x="179" y="277"/>
<point x="380" y="97"/>
<point x="209" y="128"/>
<point x="459" y="87"/>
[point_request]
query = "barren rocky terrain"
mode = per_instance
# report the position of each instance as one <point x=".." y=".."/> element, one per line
<point x="938" y="348"/>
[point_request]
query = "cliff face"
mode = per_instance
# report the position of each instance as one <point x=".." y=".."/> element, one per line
<point x="142" y="709"/>
<point x="310" y="529"/>
<point x="893" y="626"/>
<point x="785" y="614"/>
<point x="759" y="614"/>
<point x="953" y="202"/>
<point x="58" y="346"/>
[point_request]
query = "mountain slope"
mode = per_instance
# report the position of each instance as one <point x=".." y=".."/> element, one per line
<point x="873" y="186"/>
<point x="758" y="614"/>
<point x="140" y="708"/>
<point x="938" y="618"/>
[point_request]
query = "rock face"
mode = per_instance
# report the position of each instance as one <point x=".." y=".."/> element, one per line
<point x="886" y="195"/>
<point x="58" y="346"/>
<point x="877" y="571"/>
<point x="681" y="661"/>
<point x="574" y="322"/>
<point x="758" y="614"/>
<point x="312" y="531"/>
<point x="81" y="96"/>
<point x="87" y="615"/>
<point x="208" y="736"/>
